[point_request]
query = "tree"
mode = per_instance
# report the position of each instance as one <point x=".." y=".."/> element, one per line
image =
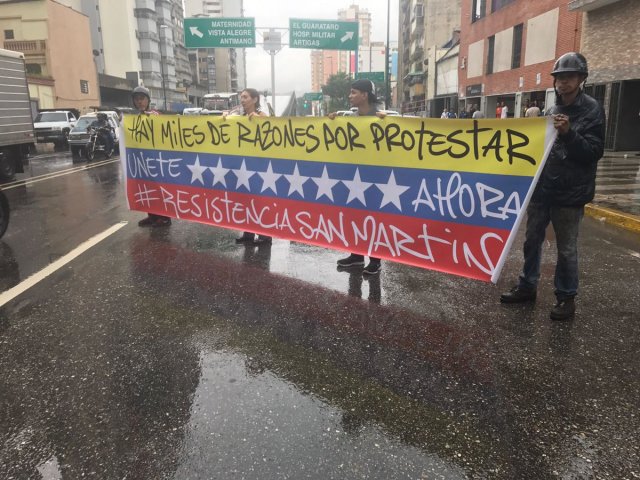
<point x="338" y="87"/>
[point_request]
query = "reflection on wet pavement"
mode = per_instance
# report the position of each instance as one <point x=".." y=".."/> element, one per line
<point x="192" y="358"/>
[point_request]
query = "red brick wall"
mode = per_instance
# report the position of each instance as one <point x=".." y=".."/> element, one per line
<point x="610" y="42"/>
<point x="569" y="32"/>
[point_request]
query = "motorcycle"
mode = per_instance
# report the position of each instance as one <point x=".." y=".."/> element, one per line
<point x="4" y="213"/>
<point x="96" y="143"/>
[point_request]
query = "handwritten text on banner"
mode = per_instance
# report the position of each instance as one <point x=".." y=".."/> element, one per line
<point x="446" y="195"/>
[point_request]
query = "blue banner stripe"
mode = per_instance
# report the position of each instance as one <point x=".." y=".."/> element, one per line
<point x="467" y="198"/>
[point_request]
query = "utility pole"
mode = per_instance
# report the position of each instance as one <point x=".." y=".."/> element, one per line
<point x="272" y="44"/>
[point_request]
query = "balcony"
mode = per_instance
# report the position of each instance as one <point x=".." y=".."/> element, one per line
<point x="588" y="5"/>
<point x="28" y="47"/>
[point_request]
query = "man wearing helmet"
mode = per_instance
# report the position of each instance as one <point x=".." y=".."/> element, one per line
<point x="141" y="98"/>
<point x="105" y="132"/>
<point x="566" y="184"/>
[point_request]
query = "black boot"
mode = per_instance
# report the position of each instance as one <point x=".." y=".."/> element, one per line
<point x="564" y="309"/>
<point x="246" y="237"/>
<point x="518" y="295"/>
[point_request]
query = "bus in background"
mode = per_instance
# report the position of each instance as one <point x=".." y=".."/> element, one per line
<point x="221" y="103"/>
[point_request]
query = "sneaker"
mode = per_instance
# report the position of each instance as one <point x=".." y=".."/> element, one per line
<point x="518" y="295"/>
<point x="145" y="222"/>
<point x="161" y="222"/>
<point x="262" y="240"/>
<point x="564" y="309"/>
<point x="372" y="269"/>
<point x="352" y="260"/>
<point x="245" y="238"/>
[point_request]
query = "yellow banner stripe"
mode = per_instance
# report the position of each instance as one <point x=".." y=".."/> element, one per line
<point x="494" y="146"/>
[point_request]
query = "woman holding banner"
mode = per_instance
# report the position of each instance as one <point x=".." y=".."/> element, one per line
<point x="250" y="101"/>
<point x="141" y="99"/>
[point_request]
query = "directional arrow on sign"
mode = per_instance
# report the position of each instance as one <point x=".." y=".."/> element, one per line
<point x="196" y="32"/>
<point x="347" y="36"/>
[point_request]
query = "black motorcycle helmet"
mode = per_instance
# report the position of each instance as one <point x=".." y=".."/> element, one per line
<point x="102" y="116"/>
<point x="141" y="90"/>
<point x="569" y="63"/>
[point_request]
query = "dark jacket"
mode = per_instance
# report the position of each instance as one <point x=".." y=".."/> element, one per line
<point x="569" y="176"/>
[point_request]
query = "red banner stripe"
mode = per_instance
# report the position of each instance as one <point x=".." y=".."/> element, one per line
<point x="465" y="250"/>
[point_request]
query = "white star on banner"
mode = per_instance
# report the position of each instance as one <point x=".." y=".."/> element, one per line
<point x="296" y="181"/>
<point x="325" y="184"/>
<point x="391" y="192"/>
<point x="357" y="188"/>
<point x="269" y="179"/>
<point x="243" y="175"/>
<point x="197" y="170"/>
<point x="219" y="173"/>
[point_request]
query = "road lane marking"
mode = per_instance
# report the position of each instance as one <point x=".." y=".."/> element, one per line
<point x="60" y="173"/>
<point x="26" y="284"/>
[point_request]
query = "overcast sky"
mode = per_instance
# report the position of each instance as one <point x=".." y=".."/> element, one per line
<point x="293" y="65"/>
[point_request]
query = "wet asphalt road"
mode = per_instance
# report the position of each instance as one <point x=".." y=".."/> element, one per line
<point x="175" y="354"/>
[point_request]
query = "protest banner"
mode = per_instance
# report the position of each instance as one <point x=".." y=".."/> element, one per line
<point x="447" y="195"/>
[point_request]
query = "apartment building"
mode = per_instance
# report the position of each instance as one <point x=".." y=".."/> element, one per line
<point x="217" y="69"/>
<point x="508" y="49"/>
<point x="610" y="43"/>
<point x="325" y="63"/>
<point x="139" y="42"/>
<point x="427" y="46"/>
<point x="56" y="42"/>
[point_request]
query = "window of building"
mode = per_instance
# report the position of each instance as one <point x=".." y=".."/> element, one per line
<point x="34" y="69"/>
<point x="84" y="86"/>
<point x="517" y="46"/>
<point x="492" y="44"/>
<point x="498" y="4"/>
<point x="8" y="35"/>
<point x="479" y="10"/>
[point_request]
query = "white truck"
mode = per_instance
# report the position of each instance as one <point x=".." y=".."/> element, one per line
<point x="16" y="123"/>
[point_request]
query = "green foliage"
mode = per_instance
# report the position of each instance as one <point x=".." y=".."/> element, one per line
<point x="338" y="87"/>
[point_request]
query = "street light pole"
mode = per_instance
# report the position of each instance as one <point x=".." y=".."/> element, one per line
<point x="387" y="66"/>
<point x="164" y="90"/>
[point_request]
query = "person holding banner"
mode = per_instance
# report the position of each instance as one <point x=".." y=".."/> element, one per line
<point x="363" y="98"/>
<point x="141" y="98"/>
<point x="566" y="184"/>
<point x="250" y="101"/>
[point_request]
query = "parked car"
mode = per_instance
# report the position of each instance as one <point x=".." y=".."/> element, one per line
<point x="79" y="137"/>
<point x="53" y="126"/>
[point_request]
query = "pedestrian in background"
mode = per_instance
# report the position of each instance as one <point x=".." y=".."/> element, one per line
<point x="141" y="98"/>
<point x="478" y="113"/>
<point x="504" y="111"/>
<point x="533" y="110"/>
<point x="566" y="184"/>
<point x="250" y="101"/>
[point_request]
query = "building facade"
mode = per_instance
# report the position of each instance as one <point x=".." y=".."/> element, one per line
<point x="508" y="49"/>
<point x="139" y="42"/>
<point x="59" y="76"/>
<point x="609" y="41"/>
<point x="427" y="33"/>
<point x="217" y="69"/>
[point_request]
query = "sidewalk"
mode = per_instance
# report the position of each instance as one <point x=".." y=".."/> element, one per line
<point x="617" y="199"/>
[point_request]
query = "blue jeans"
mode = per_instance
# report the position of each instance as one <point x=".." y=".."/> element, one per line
<point x="566" y="224"/>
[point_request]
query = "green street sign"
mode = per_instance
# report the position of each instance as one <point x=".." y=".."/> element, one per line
<point x="375" y="77"/>
<point x="313" y="96"/>
<point x="323" y="34"/>
<point x="219" y="32"/>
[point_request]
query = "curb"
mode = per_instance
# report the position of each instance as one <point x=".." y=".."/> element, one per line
<point x="623" y="220"/>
